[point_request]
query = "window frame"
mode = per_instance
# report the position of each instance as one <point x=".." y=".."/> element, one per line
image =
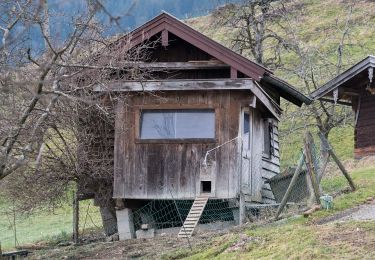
<point x="138" y="113"/>
<point x="268" y="130"/>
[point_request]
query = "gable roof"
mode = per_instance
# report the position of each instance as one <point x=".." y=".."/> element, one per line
<point x="167" y="22"/>
<point x="347" y="75"/>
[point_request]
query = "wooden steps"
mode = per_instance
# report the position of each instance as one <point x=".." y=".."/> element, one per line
<point x="194" y="215"/>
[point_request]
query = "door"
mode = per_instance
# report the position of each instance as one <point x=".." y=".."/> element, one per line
<point x="245" y="127"/>
<point x="251" y="157"/>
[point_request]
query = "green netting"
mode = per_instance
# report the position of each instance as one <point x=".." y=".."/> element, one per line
<point x="162" y="214"/>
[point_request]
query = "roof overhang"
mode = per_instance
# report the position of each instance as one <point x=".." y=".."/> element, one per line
<point x="193" y="85"/>
<point x="343" y="78"/>
<point x="287" y="91"/>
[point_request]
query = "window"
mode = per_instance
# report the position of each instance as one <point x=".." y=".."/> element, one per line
<point x="246" y="122"/>
<point x="177" y="124"/>
<point x="268" y="138"/>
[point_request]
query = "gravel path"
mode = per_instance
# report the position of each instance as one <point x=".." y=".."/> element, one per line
<point x="360" y="213"/>
<point x="364" y="212"/>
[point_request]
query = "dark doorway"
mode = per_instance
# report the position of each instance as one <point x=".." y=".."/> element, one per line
<point x="206" y="186"/>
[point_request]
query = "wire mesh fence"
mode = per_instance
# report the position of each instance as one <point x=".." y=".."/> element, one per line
<point x="45" y="226"/>
<point x="164" y="214"/>
<point x="301" y="184"/>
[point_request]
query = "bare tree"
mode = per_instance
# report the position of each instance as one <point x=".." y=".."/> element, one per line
<point x="55" y="131"/>
<point x="267" y="30"/>
<point x="255" y="33"/>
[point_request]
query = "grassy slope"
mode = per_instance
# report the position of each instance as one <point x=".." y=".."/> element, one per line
<point x="319" y="16"/>
<point x="43" y="225"/>
<point x="315" y="31"/>
<point x="300" y="238"/>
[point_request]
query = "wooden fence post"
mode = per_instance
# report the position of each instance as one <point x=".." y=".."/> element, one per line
<point x="310" y="167"/>
<point x="75" y="218"/>
<point x="343" y="170"/>
<point x="338" y="162"/>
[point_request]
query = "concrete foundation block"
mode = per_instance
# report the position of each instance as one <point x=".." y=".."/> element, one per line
<point x="236" y="216"/>
<point x="125" y="224"/>
<point x="149" y="233"/>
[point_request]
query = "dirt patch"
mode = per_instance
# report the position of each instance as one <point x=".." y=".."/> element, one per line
<point x="129" y="249"/>
<point x="242" y="243"/>
<point x="357" y="237"/>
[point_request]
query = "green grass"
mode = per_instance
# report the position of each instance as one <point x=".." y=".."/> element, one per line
<point x="300" y="238"/>
<point x="42" y="226"/>
<point x="364" y="179"/>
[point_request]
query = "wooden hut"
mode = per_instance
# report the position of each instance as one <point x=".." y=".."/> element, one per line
<point x="356" y="88"/>
<point x="207" y="122"/>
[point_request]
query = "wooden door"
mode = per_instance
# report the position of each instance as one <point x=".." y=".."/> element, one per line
<point x="246" y="133"/>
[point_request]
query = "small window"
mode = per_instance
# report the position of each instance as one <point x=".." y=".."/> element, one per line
<point x="177" y="124"/>
<point x="246" y="122"/>
<point x="268" y="138"/>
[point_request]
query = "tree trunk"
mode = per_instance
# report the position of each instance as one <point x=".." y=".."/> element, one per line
<point x="109" y="220"/>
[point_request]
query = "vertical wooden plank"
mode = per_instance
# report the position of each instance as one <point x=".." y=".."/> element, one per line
<point x="119" y="175"/>
<point x="234" y="128"/>
<point x="164" y="38"/>
<point x="257" y="139"/>
<point x="233" y="73"/>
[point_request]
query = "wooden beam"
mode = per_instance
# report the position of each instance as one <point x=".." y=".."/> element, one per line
<point x="253" y="102"/>
<point x="183" y="85"/>
<point x="190" y="65"/>
<point x="177" y="84"/>
<point x="267" y="102"/>
<point x="233" y="73"/>
<point x="342" y="168"/>
<point x="164" y="38"/>
<point x="345" y="103"/>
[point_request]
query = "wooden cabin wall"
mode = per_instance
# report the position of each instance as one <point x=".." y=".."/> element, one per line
<point x="364" y="136"/>
<point x="155" y="170"/>
<point x="271" y="165"/>
<point x="264" y="167"/>
<point x="179" y="50"/>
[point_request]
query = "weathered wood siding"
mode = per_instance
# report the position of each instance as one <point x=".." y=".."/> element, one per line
<point x="155" y="170"/>
<point x="264" y="167"/>
<point x="365" y="127"/>
<point x="271" y="166"/>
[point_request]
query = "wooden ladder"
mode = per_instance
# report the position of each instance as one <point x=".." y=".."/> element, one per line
<point x="194" y="215"/>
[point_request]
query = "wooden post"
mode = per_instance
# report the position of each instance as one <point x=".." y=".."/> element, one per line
<point x="242" y="211"/>
<point x="342" y="168"/>
<point x="291" y="185"/>
<point x="311" y="168"/>
<point x="75" y="218"/>
<point x="338" y="162"/>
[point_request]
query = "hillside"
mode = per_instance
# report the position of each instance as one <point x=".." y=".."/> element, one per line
<point x="333" y="234"/>
<point x="317" y="29"/>
<point x="48" y="235"/>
